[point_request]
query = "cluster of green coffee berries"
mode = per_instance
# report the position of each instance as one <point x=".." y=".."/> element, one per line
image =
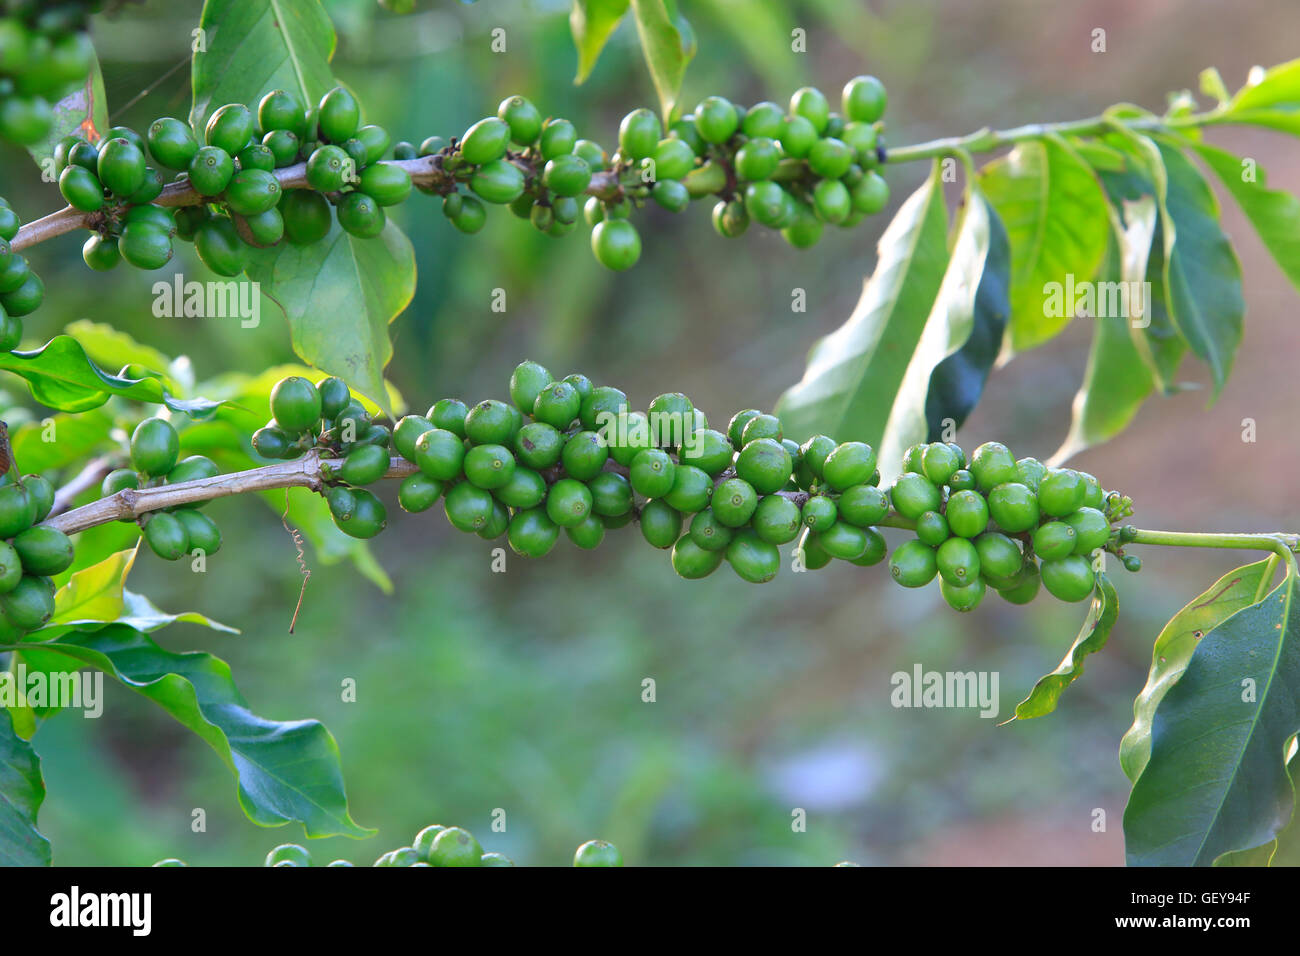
<point x="995" y="522"/>
<point x="566" y="456"/>
<point x="21" y="289"/>
<point x="175" y="532"/>
<point x="241" y="202"/>
<point x="45" y="53"/>
<point x="792" y="169"/>
<point x="438" y="846"/>
<point x="30" y="554"/>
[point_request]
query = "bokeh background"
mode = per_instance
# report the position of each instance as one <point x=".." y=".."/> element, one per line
<point x="522" y="690"/>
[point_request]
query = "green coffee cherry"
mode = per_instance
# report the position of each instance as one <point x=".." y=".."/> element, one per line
<point x="913" y="564"/>
<point x="863" y="99"/>
<point x="753" y="559"/>
<point x="616" y="244"/>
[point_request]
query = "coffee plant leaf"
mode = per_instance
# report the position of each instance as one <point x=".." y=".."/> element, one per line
<point x="1055" y="216"/>
<point x="1274" y="213"/>
<point x="1160" y="344"/>
<point x="79" y="438"/>
<point x="84" y="111"/>
<point x="853" y="374"/>
<point x="285" y="771"/>
<point x="1116" y="380"/>
<point x="250" y="47"/>
<point x="112" y="348"/>
<point x="958" y="381"/>
<point x="1233" y="712"/>
<point x="1202" y="272"/>
<point x="668" y="45"/>
<point x="1284" y="850"/>
<point x="592" y="23"/>
<point x="22" y="789"/>
<point x="1173" y="649"/>
<point x="61" y="375"/>
<point x="927" y="386"/>
<point x="1102" y="614"/>
<point x="339" y="295"/>
<point x="1271" y="100"/>
<point x="97" y="595"/>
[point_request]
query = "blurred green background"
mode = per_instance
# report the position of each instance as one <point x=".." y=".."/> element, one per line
<point x="522" y="690"/>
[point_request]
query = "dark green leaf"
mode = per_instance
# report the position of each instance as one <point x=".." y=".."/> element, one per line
<point x="1055" y="216"/>
<point x="948" y="328"/>
<point x="254" y="46"/>
<point x="1174" y="647"/>
<point x="1202" y="274"/>
<point x="285" y="771"/>
<point x="592" y="23"/>
<point x="958" y="381"/>
<point x="21" y="791"/>
<point x="1274" y="214"/>
<point x="339" y="295"/>
<point x="1142" y="176"/>
<point x="62" y="376"/>
<point x="1282" y="851"/>
<point x="668" y="46"/>
<point x="1216" y="779"/>
<point x="1092" y="638"/>
<point x="84" y="111"/>
<point x="854" y="373"/>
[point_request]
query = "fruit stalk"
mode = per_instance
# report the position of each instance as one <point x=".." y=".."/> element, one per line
<point x="305" y="472"/>
<point x="424" y="171"/>
<point x="1280" y="543"/>
<point x="986" y="140"/>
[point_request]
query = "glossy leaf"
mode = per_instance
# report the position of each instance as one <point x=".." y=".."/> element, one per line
<point x="1142" y="175"/>
<point x="84" y="111"/>
<point x="958" y="381"/>
<point x="112" y="348"/>
<point x="98" y="595"/>
<point x="1202" y="274"/>
<point x="285" y="771"/>
<point x="1216" y="779"/>
<point x="1173" y="649"/>
<point x="668" y="46"/>
<point x="62" y="376"/>
<point x="22" y="789"/>
<point x="339" y="295"/>
<point x="854" y="373"/>
<point x="254" y="46"/>
<point x="1055" y="216"/>
<point x="1102" y="614"/>
<point x="592" y="23"/>
<point x="947" y="328"/>
<point x="1274" y="213"/>
<point x="1284" y="850"/>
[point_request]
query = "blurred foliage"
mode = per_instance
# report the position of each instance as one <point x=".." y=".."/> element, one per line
<point x="523" y="690"/>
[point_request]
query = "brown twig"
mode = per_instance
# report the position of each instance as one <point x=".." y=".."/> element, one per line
<point x="424" y="171"/>
<point x="305" y="472"/>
